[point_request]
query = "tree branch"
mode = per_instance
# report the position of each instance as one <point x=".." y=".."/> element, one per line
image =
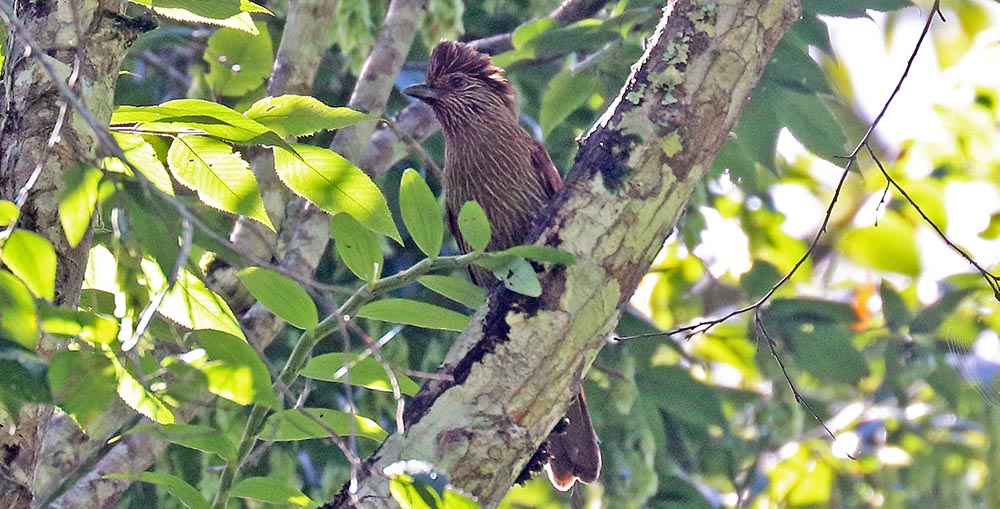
<point x="517" y="364"/>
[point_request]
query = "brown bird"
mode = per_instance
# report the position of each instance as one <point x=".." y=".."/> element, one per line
<point x="491" y="159"/>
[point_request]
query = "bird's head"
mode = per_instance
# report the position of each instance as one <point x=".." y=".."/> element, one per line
<point x="464" y="87"/>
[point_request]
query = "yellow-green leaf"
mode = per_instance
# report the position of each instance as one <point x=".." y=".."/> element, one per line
<point x="77" y="201"/>
<point x="33" y="259"/>
<point x="221" y="177"/>
<point x="281" y="295"/>
<point x="300" y="115"/>
<point x="412" y="312"/>
<point x="357" y="247"/>
<point x="421" y="213"/>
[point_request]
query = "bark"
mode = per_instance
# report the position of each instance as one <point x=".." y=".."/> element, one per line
<point x="84" y="42"/>
<point x="520" y="360"/>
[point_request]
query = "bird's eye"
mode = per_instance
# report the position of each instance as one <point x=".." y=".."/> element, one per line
<point x="457" y="81"/>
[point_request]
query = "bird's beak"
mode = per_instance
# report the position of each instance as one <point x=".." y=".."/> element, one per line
<point x="421" y="91"/>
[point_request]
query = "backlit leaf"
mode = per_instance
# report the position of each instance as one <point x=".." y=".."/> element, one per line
<point x="143" y="156"/>
<point x="83" y="384"/>
<point x="335" y="185"/>
<point x="33" y="259"/>
<point x="235" y="370"/>
<point x="196" y="116"/>
<point x="136" y="395"/>
<point x="299" y="115"/>
<point x="86" y="325"/>
<point x="18" y="318"/>
<point x="190" y="303"/>
<point x="891" y="246"/>
<point x="221" y="177"/>
<point x="77" y="201"/>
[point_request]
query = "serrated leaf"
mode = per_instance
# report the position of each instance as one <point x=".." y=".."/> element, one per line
<point x="421" y="213"/>
<point x="18" y="318"/>
<point x="32" y="259"/>
<point x="175" y="486"/>
<point x="365" y="372"/>
<point x="540" y="254"/>
<point x="458" y="290"/>
<point x="143" y="156"/>
<point x="519" y="276"/>
<point x="290" y="425"/>
<point x="271" y="491"/>
<point x="221" y="178"/>
<point x="77" y="201"/>
<point x="281" y="295"/>
<point x="198" y="437"/>
<point x="335" y="185"/>
<point x="238" y="62"/>
<point x="357" y="247"/>
<point x="140" y="398"/>
<point x="86" y="325"/>
<point x="299" y="115"/>
<point x="890" y="246"/>
<point x="412" y="312"/>
<point x="235" y="370"/>
<point x="195" y="116"/>
<point x="474" y="225"/>
<point x="190" y="303"/>
<point x="83" y="384"/>
<point x="567" y="92"/>
<point x="8" y="212"/>
<point x="225" y="13"/>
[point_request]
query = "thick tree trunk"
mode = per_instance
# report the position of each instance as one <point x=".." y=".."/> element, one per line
<point x="520" y="360"/>
<point x="84" y="42"/>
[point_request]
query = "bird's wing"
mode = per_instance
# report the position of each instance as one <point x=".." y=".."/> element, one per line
<point x="543" y="164"/>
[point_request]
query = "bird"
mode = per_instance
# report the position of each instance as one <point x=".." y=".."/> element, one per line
<point x="491" y="159"/>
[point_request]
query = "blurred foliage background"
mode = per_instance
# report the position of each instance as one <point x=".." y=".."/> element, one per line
<point x="887" y="335"/>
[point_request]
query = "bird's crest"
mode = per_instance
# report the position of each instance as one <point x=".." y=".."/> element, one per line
<point x="450" y="57"/>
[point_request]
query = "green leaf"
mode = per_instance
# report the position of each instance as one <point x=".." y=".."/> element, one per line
<point x="281" y="295"/>
<point x="891" y="246"/>
<point x="335" y="185"/>
<point x="299" y="115"/>
<point x="175" y="486"/>
<point x="83" y="384"/>
<point x="78" y="200"/>
<point x="143" y="156"/>
<point x="8" y="212"/>
<point x="86" y="325"/>
<point x="221" y="178"/>
<point x="136" y="395"/>
<point x="414" y="495"/>
<point x="567" y="92"/>
<point x="365" y="372"/>
<point x="33" y="259"/>
<point x="195" y="116"/>
<point x="18" y="318"/>
<point x="897" y="315"/>
<point x="816" y="331"/>
<point x="271" y="491"/>
<point x="198" y="437"/>
<point x="930" y="318"/>
<point x="291" y="425"/>
<point x="238" y="62"/>
<point x="474" y="225"/>
<point x="412" y="312"/>
<point x="357" y="247"/>
<point x="225" y="13"/>
<point x="421" y="213"/>
<point x="190" y="303"/>
<point x="812" y="123"/>
<point x="519" y="276"/>
<point x="22" y="380"/>
<point x="458" y="290"/>
<point x="540" y="254"/>
<point x="674" y="390"/>
<point x="235" y="370"/>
